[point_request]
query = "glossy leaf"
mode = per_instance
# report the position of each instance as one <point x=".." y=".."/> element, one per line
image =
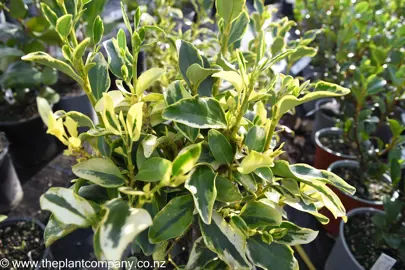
<point x="55" y="230"/>
<point x="229" y="245"/>
<point x="118" y="228"/>
<point x="229" y="10"/>
<point x="271" y="256"/>
<point x="201" y="185"/>
<point x="227" y="191"/>
<point x="186" y="159"/>
<point x="197" y="112"/>
<point x="254" y="161"/>
<point x="256" y="139"/>
<point x="197" y="74"/>
<point x="188" y="55"/>
<point x="134" y="121"/>
<point x="220" y="147"/>
<point x="155" y="170"/>
<point x="47" y="60"/>
<point x="295" y="235"/>
<point x="200" y="255"/>
<point x="68" y="208"/>
<point x="64" y="25"/>
<point x="98" y="30"/>
<point x="259" y="214"/>
<point x="148" y="78"/>
<point x="233" y="77"/>
<point x="102" y="172"/>
<point x="172" y="220"/>
<point x="100" y="81"/>
<point x="238" y="28"/>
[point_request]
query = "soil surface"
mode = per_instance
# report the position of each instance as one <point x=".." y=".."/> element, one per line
<point x="371" y="189"/>
<point x="359" y="232"/>
<point x="22" y="241"/>
<point x="66" y="87"/>
<point x="337" y="144"/>
<point x="18" y="112"/>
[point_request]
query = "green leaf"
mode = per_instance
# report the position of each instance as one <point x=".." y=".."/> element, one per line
<point x="80" y="50"/>
<point x="49" y="14"/>
<point x="200" y="255"/>
<point x="308" y="173"/>
<point x="47" y="60"/>
<point x="188" y="55"/>
<point x="233" y="77"/>
<point x="115" y="60"/>
<point x="189" y="132"/>
<point x="375" y="85"/>
<point x="82" y="120"/>
<point x="134" y="121"/>
<point x="271" y="256"/>
<point x="259" y="215"/>
<point x="277" y="46"/>
<point x="44" y="109"/>
<point x="197" y="74"/>
<point x="68" y="208"/>
<point x="18" y="9"/>
<point x="302" y="51"/>
<point x="201" y="185"/>
<point x="55" y="230"/>
<point x="256" y="139"/>
<point x="229" y="10"/>
<point x="118" y="228"/>
<point x="246" y="180"/>
<point x="307" y="208"/>
<point x="238" y="28"/>
<point x="295" y="235"/>
<point x="64" y="25"/>
<point x="175" y="92"/>
<point x="172" y="220"/>
<point x="322" y="90"/>
<point x="254" y="161"/>
<point x="155" y="170"/>
<point x="227" y="191"/>
<point x="265" y="173"/>
<point x="98" y="30"/>
<point x="197" y="112"/>
<point x="100" y="171"/>
<point x="318" y="180"/>
<point x="99" y="78"/>
<point x="220" y="147"/>
<point x="229" y="244"/>
<point x="148" y="78"/>
<point x="186" y="159"/>
<point x="10" y="52"/>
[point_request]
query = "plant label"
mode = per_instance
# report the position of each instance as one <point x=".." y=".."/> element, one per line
<point x="384" y="262"/>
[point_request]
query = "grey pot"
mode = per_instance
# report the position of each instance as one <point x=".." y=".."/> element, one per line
<point x="355" y="164"/>
<point x="11" y="192"/>
<point x="322" y="120"/>
<point x="78" y="103"/>
<point x="341" y="256"/>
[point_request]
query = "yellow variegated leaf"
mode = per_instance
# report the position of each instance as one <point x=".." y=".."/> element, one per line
<point x="134" y="121"/>
<point x="253" y="161"/>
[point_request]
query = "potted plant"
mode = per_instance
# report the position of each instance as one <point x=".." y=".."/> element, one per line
<point x="22" y="242"/>
<point x="183" y="176"/>
<point x="21" y="83"/>
<point x="382" y="232"/>
<point x="10" y="188"/>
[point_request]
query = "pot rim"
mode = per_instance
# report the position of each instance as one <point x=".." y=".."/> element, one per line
<point x="64" y="98"/>
<point x="319" y="104"/>
<point x="354" y="212"/>
<point x="331" y="130"/>
<point x="354" y="163"/>
<point x="11" y="220"/>
<point x="20" y="121"/>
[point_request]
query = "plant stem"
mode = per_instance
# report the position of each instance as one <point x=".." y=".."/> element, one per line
<point x="243" y="109"/>
<point x="270" y="134"/>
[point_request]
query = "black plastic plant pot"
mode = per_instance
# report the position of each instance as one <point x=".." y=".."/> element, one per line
<point x="27" y="233"/>
<point x="322" y="118"/>
<point x="11" y="192"/>
<point x="30" y="146"/>
<point x="79" y="103"/>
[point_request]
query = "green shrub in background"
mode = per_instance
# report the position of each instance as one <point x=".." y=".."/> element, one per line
<point x="184" y="175"/>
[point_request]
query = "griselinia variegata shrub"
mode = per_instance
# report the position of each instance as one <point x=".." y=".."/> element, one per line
<point x="191" y="175"/>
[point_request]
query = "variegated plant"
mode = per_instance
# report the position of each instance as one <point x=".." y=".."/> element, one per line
<point x="191" y="174"/>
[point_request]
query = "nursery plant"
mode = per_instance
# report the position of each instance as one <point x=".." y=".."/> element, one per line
<point x="364" y="58"/>
<point x="185" y="175"/>
<point x="20" y="81"/>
